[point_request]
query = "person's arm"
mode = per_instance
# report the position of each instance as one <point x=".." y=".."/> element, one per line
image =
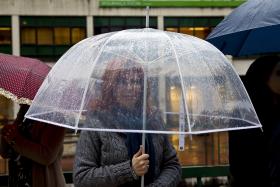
<point x="4" y="147"/>
<point x="44" y="152"/>
<point x="87" y="170"/>
<point x="171" y="171"/>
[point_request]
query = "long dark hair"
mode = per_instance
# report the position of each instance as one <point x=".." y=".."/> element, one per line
<point x="256" y="83"/>
<point x="114" y="72"/>
<point x="260" y="71"/>
<point x="258" y="75"/>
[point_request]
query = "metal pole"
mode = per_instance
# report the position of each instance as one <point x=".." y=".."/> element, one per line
<point x="145" y="100"/>
<point x="144" y="119"/>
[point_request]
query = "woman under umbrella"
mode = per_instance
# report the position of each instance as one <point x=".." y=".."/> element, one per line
<point x="117" y="159"/>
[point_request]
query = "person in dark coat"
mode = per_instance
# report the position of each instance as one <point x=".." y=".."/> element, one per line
<point x="34" y="150"/>
<point x="254" y="155"/>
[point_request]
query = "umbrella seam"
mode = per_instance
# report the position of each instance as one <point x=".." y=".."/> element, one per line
<point x="149" y="131"/>
<point x="97" y="57"/>
<point x="181" y="78"/>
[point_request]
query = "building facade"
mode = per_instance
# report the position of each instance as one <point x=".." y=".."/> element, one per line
<point x="46" y="29"/>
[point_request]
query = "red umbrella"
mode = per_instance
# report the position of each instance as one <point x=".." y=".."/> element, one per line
<point x="21" y="77"/>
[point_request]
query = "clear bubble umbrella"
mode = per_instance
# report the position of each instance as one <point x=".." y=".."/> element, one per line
<point x="145" y="81"/>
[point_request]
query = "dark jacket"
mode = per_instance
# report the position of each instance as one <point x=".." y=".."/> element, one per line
<point x="44" y="151"/>
<point x="102" y="160"/>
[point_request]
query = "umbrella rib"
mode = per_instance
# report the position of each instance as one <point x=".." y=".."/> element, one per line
<point x="211" y="71"/>
<point x="87" y="85"/>
<point x="242" y="44"/>
<point x="181" y="80"/>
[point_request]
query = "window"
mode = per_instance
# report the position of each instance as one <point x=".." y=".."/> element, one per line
<point x="50" y="37"/>
<point x="110" y="24"/>
<point x="77" y="34"/>
<point x="62" y="36"/>
<point x="196" y="26"/>
<point x="28" y="36"/>
<point x="5" y="35"/>
<point x="44" y="36"/>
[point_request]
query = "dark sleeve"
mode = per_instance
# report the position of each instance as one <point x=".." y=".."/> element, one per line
<point x="46" y="150"/>
<point x="4" y="147"/>
<point x="87" y="170"/>
<point x="171" y="170"/>
<point x="274" y="154"/>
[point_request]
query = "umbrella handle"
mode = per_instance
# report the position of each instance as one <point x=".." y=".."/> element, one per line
<point x="143" y="151"/>
<point x="142" y="181"/>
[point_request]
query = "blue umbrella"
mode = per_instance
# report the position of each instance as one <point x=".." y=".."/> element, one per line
<point x="252" y="28"/>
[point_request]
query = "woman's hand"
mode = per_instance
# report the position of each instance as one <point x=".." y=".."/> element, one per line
<point x="9" y="132"/>
<point x="140" y="162"/>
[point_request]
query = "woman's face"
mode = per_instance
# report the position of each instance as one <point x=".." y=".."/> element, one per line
<point x="128" y="89"/>
<point x="274" y="80"/>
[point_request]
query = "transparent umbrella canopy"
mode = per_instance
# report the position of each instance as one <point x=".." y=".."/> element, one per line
<point x="146" y="81"/>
